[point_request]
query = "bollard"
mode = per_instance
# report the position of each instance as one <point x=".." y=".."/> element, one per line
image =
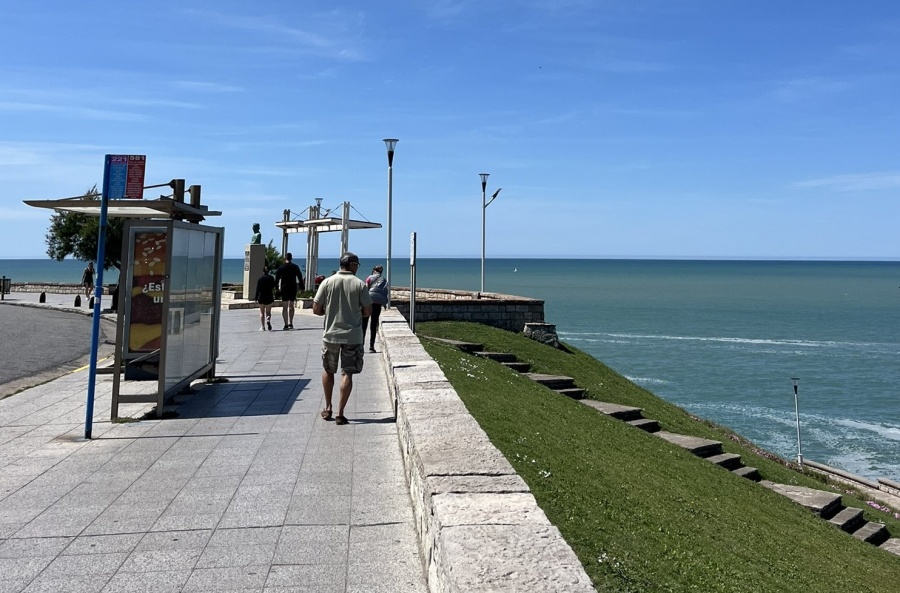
<point x="77" y="300"/>
<point x="42" y="298"/>
<point x="91" y="303"/>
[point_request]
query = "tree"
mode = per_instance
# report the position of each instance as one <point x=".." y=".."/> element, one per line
<point x="76" y="235"/>
<point x="273" y="258"/>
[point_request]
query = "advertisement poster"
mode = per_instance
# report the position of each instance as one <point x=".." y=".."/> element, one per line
<point x="148" y="273"/>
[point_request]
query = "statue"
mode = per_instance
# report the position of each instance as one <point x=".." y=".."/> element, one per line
<point x="256" y="239"/>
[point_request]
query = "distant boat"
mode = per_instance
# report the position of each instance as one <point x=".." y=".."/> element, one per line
<point x="515" y="269"/>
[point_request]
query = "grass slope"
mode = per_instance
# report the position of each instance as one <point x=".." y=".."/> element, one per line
<point x="643" y="515"/>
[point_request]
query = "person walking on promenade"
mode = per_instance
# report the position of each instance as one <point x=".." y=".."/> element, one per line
<point x="288" y="276"/>
<point x="87" y="279"/>
<point x="344" y="300"/>
<point x="378" y="291"/>
<point x="265" y="296"/>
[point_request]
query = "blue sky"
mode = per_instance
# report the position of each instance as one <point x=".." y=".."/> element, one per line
<point x="615" y="128"/>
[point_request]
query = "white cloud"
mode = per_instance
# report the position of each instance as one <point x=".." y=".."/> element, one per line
<point x="333" y="34"/>
<point x="854" y="182"/>
<point x="76" y="112"/>
<point x="207" y="87"/>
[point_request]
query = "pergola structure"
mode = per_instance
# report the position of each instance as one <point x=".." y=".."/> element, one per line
<point x="315" y="225"/>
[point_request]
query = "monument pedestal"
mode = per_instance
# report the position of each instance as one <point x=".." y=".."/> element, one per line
<point x="254" y="262"/>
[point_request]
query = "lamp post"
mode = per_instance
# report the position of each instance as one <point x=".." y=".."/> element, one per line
<point x="484" y="205"/>
<point x="797" y="410"/>
<point x="389" y="143"/>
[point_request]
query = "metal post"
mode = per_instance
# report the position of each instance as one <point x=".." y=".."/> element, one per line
<point x="412" y="282"/>
<point x="98" y="292"/>
<point x="484" y="178"/>
<point x="390" y="144"/>
<point x="797" y="410"/>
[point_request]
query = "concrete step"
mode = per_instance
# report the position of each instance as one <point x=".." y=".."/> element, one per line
<point x="872" y="533"/>
<point x="892" y="545"/>
<point x="645" y="424"/>
<point x="751" y="473"/>
<point x="573" y="392"/>
<point x="696" y="445"/>
<point x="849" y="519"/>
<point x="552" y="381"/>
<point x="469" y="347"/>
<point x="820" y="502"/>
<point x="519" y="367"/>
<point x="729" y="461"/>
<point x="618" y="412"/>
<point x="498" y="356"/>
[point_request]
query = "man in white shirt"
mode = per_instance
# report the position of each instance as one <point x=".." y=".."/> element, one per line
<point x="344" y="300"/>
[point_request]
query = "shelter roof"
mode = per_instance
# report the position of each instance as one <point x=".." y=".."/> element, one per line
<point x="162" y="208"/>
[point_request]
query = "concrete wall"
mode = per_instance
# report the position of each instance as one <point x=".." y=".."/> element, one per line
<point x="498" y="310"/>
<point x="53" y="287"/>
<point x="480" y="528"/>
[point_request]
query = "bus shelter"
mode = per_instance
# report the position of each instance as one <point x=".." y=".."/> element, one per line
<point x="169" y="303"/>
<point x="170" y="287"/>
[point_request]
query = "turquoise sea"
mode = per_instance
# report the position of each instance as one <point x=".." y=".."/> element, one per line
<point x="721" y="339"/>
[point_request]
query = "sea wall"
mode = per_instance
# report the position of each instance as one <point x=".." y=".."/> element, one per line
<point x="480" y="528"/>
<point x="498" y="310"/>
<point x="54" y="287"/>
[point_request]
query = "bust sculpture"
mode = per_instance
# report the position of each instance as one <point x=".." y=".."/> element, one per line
<point x="256" y="239"/>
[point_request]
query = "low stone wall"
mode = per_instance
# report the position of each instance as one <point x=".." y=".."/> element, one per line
<point x="498" y="310"/>
<point x="54" y="287"/>
<point x="480" y="528"/>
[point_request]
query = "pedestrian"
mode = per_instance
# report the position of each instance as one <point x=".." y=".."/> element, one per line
<point x="289" y="278"/>
<point x="379" y="291"/>
<point x="265" y="296"/>
<point x="87" y="279"/>
<point x="344" y="300"/>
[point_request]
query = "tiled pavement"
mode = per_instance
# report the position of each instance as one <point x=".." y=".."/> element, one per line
<point x="247" y="489"/>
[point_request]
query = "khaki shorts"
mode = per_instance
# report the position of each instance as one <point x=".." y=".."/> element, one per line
<point x="351" y="356"/>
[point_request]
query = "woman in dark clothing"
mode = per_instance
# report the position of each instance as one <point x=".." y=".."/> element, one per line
<point x="265" y="296"/>
<point x="380" y="292"/>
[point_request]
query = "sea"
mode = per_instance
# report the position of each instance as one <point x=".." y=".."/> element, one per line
<point x="722" y="339"/>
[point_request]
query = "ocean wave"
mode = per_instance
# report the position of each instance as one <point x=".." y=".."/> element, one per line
<point x="647" y="381"/>
<point x="861" y="447"/>
<point x="723" y="339"/>
<point x="885" y="431"/>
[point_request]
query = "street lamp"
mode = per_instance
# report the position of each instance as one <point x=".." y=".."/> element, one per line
<point x="797" y="410"/>
<point x="484" y="205"/>
<point x="389" y="143"/>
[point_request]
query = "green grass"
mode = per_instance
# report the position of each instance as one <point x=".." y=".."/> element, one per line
<point x="643" y="515"/>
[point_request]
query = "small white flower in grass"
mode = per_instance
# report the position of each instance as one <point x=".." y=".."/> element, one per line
<point x="544" y="473"/>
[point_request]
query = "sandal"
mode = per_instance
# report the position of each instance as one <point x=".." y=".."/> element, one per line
<point x="326" y="414"/>
<point x="340" y="420"/>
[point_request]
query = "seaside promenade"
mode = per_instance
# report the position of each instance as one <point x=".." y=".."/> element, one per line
<point x="246" y="488"/>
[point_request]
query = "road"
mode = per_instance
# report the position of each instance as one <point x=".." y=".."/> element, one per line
<point x="39" y="344"/>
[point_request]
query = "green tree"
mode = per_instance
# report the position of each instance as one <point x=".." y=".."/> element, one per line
<point x="76" y="235"/>
<point x="274" y="259"/>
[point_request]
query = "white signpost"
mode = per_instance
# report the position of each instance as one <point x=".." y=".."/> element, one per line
<point x="412" y="282"/>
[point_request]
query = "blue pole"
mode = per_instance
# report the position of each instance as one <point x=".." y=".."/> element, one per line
<point x="98" y="292"/>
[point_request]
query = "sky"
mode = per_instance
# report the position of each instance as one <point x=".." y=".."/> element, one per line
<point x="632" y="128"/>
